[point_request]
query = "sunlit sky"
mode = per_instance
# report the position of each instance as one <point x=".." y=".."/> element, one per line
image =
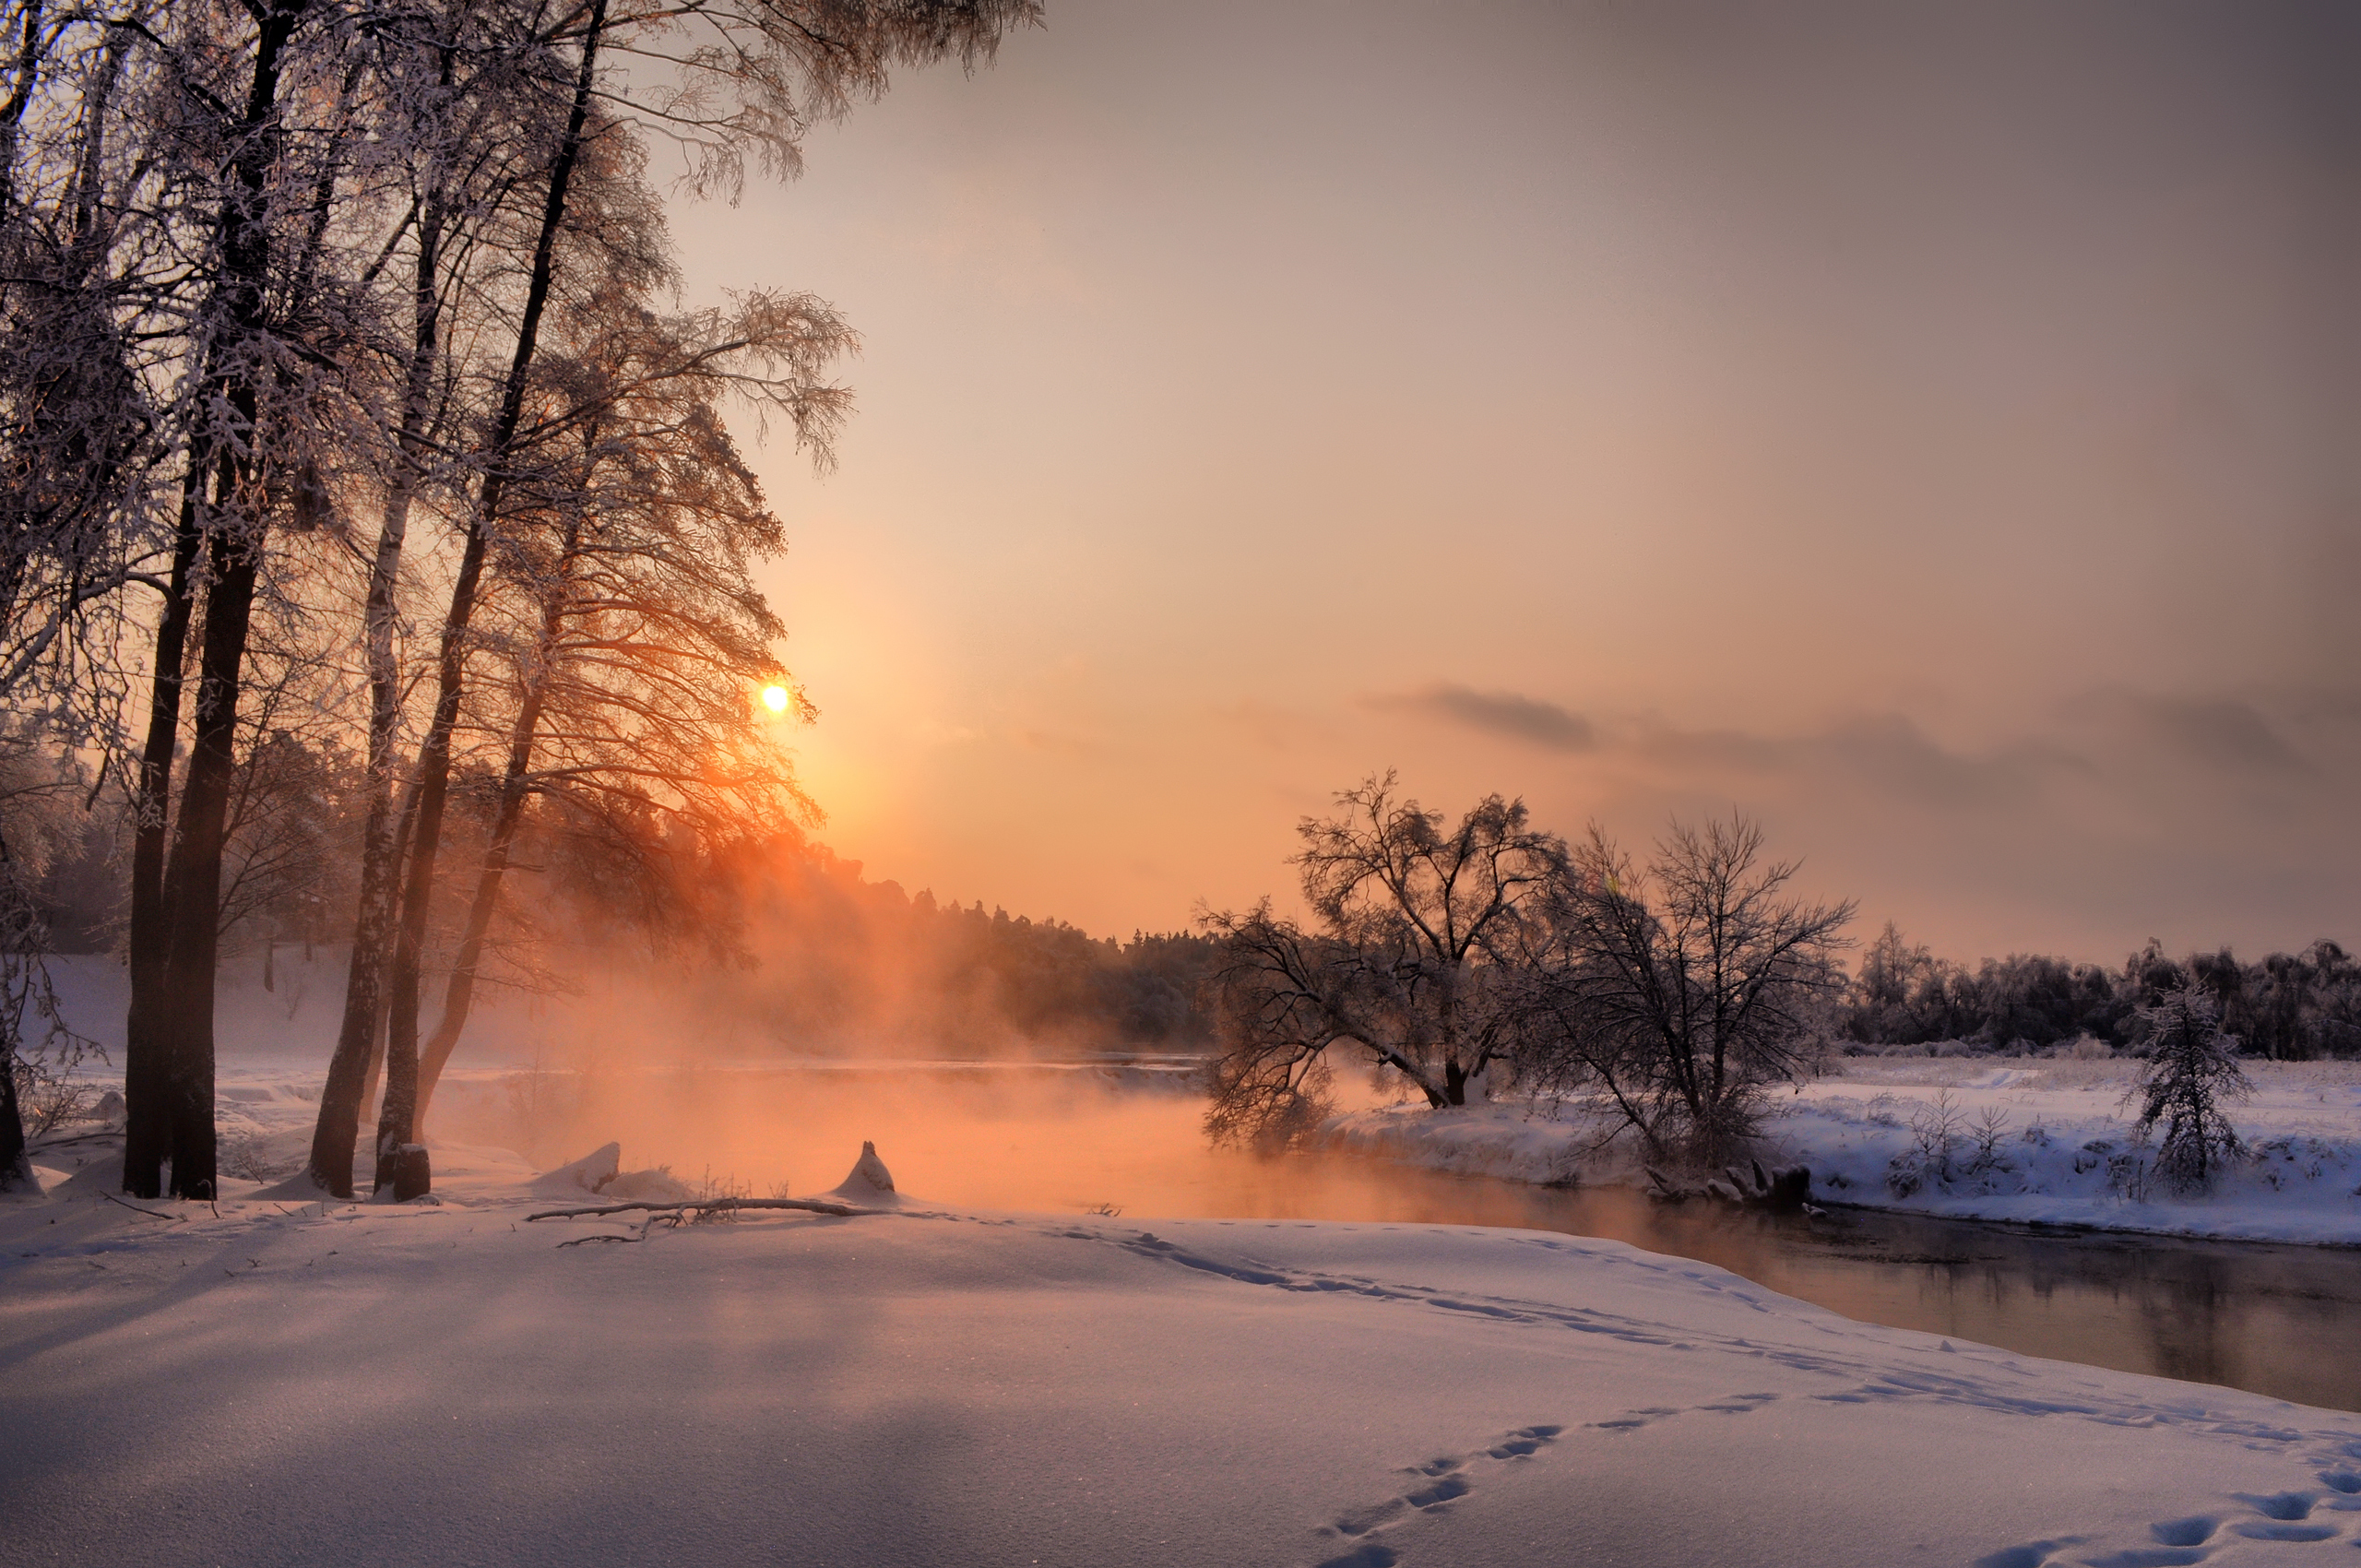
<point x="1930" y="429"/>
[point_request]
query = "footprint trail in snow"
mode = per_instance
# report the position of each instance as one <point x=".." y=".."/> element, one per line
<point x="1427" y="1490"/>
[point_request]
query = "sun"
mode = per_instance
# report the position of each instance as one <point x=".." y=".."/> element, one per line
<point x="775" y="698"/>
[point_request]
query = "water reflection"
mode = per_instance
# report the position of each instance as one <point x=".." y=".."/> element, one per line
<point x="2280" y="1321"/>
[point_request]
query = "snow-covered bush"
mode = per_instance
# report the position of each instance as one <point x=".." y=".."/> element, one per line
<point x="1937" y="1127"/>
<point x="248" y="1157"/>
<point x="1990" y="1127"/>
<point x="48" y="1098"/>
<point x="2191" y="1070"/>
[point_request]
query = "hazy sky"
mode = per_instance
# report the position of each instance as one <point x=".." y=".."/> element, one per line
<point x="1931" y="429"/>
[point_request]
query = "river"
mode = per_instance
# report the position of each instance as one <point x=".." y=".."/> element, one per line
<point x="2277" y="1319"/>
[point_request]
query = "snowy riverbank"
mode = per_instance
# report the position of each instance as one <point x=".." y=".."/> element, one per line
<point x="447" y="1381"/>
<point x="2029" y="1141"/>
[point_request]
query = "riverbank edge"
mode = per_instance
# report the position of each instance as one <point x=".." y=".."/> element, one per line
<point x="1389" y="1135"/>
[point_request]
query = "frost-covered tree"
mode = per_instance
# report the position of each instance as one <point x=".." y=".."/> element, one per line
<point x="2191" y="1072"/>
<point x="1675" y="993"/>
<point x="1416" y="928"/>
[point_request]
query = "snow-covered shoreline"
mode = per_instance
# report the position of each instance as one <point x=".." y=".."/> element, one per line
<point x="449" y="1381"/>
<point x="2031" y="1142"/>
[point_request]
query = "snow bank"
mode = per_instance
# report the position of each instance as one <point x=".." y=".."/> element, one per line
<point x="2027" y="1141"/>
<point x="456" y="1385"/>
<point x="589" y="1174"/>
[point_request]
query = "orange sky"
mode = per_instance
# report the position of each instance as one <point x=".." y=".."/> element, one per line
<point x="1929" y="429"/>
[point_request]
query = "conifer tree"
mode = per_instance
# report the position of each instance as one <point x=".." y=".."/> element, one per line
<point x="2192" y="1070"/>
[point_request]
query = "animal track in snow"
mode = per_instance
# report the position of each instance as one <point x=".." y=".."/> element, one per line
<point x="1428" y="1489"/>
<point x="1247" y="1271"/>
<point x="2285" y="1517"/>
<point x="1736" y="1404"/>
<point x="1969" y="1376"/>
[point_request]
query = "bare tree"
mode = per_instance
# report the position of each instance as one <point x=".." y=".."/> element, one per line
<point x="640" y="639"/>
<point x="1676" y="995"/>
<point x="1406" y="968"/>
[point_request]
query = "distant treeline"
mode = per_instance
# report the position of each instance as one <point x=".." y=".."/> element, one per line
<point x="798" y="949"/>
<point x="2287" y="1006"/>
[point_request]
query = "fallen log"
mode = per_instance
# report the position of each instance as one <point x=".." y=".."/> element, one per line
<point x="1784" y="1190"/>
<point x="808" y="1205"/>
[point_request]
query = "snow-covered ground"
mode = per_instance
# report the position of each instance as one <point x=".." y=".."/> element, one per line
<point x="451" y="1381"/>
<point x="2049" y="1141"/>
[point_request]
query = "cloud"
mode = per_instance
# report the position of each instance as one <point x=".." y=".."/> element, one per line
<point x="2222" y="731"/>
<point x="1507" y="714"/>
<point x="1886" y="751"/>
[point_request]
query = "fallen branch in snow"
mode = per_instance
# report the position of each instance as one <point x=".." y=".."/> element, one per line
<point x="602" y="1236"/>
<point x="167" y="1219"/>
<point x="45" y="1145"/>
<point x="808" y="1204"/>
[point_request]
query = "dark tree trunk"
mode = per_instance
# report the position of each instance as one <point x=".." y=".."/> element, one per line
<point x="459" y="996"/>
<point x="16" y="1170"/>
<point x="14" y="1164"/>
<point x="147" y="1127"/>
<point x="396" y="1118"/>
<point x="193" y="883"/>
<point x="180" y="1023"/>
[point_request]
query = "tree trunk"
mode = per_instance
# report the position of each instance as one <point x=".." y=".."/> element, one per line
<point x="376" y="1081"/>
<point x="193" y="883"/>
<point x="396" y="1118"/>
<point x="459" y="996"/>
<point x="1455" y="1083"/>
<point x="353" y="1070"/>
<point x="15" y="1167"/>
<point x="183" y="1021"/>
<point x="147" y="1122"/>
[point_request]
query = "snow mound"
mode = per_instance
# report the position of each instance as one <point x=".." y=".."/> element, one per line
<point x="301" y="1188"/>
<point x="654" y="1187"/>
<point x="592" y="1173"/>
<point x="102" y="1173"/>
<point x="868" y="1182"/>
